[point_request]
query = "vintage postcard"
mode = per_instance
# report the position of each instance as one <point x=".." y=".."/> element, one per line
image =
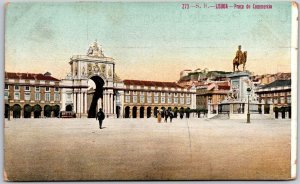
<point x="150" y="91"/>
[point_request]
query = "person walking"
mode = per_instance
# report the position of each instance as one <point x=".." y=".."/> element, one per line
<point x="181" y="114"/>
<point x="171" y="116"/>
<point x="100" y="117"/>
<point x="166" y="116"/>
<point x="158" y="117"/>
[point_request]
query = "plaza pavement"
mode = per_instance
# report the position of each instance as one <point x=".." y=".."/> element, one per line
<point x="141" y="149"/>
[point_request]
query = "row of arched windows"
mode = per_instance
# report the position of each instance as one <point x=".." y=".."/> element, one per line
<point x="146" y="112"/>
<point x="29" y="111"/>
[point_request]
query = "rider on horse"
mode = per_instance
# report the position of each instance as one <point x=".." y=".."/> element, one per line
<point x="240" y="58"/>
<point x="239" y="54"/>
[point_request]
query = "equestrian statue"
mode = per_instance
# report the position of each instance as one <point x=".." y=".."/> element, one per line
<point x="240" y="59"/>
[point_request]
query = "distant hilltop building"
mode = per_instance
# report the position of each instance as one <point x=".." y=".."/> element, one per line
<point x="269" y="78"/>
<point x="189" y="77"/>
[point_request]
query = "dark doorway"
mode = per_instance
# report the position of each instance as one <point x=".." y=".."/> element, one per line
<point x="148" y="112"/>
<point x="127" y="111"/>
<point x="27" y="111"/>
<point x="267" y="108"/>
<point x="69" y="108"/>
<point x="47" y="111"/>
<point x="16" y="111"/>
<point x="6" y="110"/>
<point x="142" y="109"/>
<point x="37" y="109"/>
<point x="56" y="110"/>
<point x="118" y="108"/>
<point x="134" y="109"/>
<point x="163" y="112"/>
<point x="98" y="93"/>
<point x="155" y="111"/>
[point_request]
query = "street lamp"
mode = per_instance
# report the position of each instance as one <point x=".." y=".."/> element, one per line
<point x="248" y="113"/>
<point x="8" y="98"/>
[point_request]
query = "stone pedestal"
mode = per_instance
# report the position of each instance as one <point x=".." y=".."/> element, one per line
<point x="240" y="82"/>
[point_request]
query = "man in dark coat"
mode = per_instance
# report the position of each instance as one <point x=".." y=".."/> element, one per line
<point x="171" y="116"/>
<point x="100" y="117"/>
<point x="166" y="115"/>
<point x="181" y="114"/>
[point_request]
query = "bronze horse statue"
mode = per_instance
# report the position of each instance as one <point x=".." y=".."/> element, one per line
<point x="240" y="59"/>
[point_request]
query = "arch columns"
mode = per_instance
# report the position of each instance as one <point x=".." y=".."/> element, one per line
<point x="109" y="103"/>
<point x="85" y="107"/>
<point x="83" y="103"/>
<point x="105" y="102"/>
<point x="80" y="106"/>
<point x="114" y="98"/>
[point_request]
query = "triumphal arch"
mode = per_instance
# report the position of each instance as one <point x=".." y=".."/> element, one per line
<point x="78" y="96"/>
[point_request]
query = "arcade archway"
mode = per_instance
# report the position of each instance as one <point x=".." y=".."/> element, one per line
<point x="134" y="110"/>
<point x="16" y="111"/>
<point x="69" y="108"/>
<point x="97" y="94"/>
<point x="148" y="112"/>
<point x="37" y="110"/>
<point x="155" y="111"/>
<point x="56" y="110"/>
<point x="27" y="111"/>
<point x="127" y="112"/>
<point x="142" y="109"/>
<point x="47" y="111"/>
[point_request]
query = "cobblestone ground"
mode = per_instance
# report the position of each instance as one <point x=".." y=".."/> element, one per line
<point x="133" y="149"/>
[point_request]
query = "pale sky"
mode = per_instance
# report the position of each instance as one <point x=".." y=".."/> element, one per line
<point x="149" y="41"/>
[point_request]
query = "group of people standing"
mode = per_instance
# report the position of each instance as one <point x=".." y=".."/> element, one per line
<point x="165" y="114"/>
